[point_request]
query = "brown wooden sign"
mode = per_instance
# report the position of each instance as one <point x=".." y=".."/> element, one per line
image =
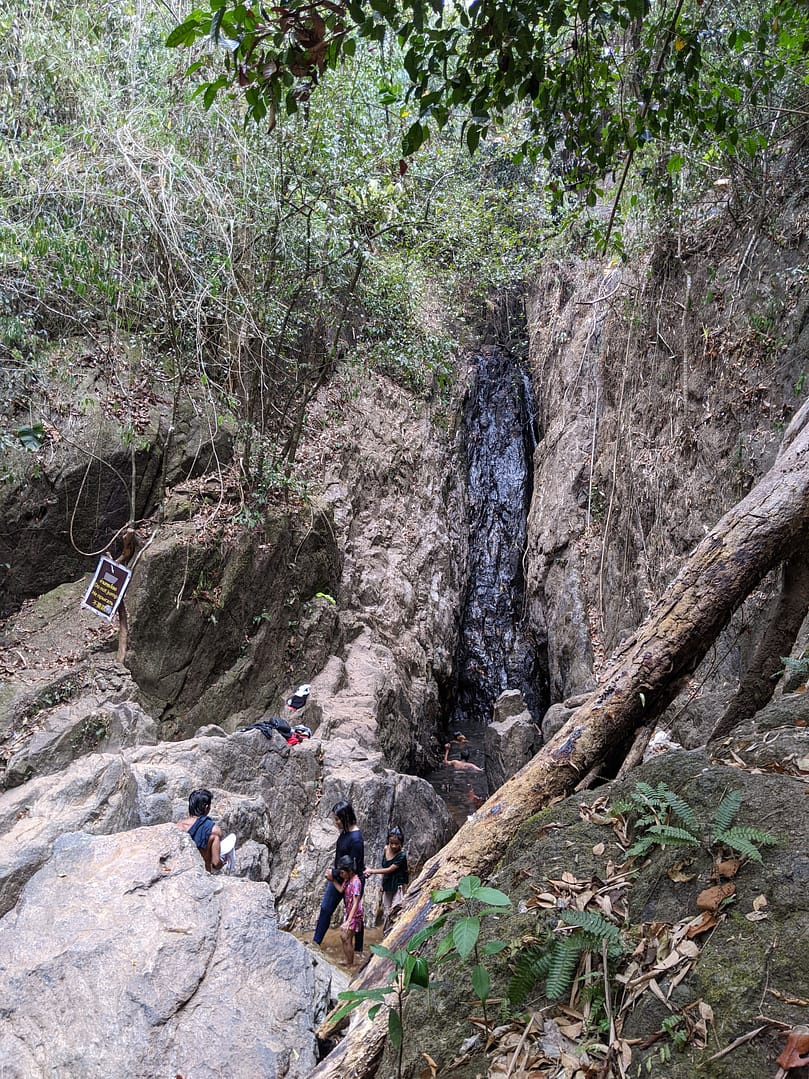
<point x="106" y="588"/>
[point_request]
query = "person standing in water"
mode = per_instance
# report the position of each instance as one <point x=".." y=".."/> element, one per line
<point x="349" y="843"/>
<point x="395" y="876"/>
<point x="352" y="893"/>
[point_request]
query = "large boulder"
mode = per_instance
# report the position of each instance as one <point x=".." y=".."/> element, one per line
<point x="91" y="725"/>
<point x="216" y="626"/>
<point x="511" y="739"/>
<point x="126" y="958"/>
<point x="96" y="793"/>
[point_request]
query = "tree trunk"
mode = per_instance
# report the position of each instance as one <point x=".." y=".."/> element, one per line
<point x="643" y="677"/>
<point x="786" y="618"/>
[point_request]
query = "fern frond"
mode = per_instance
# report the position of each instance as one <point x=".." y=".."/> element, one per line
<point x="596" y="930"/>
<point x="592" y="922"/>
<point x="641" y="846"/>
<point x="791" y="666"/>
<point x="726" y="811"/>
<point x="532" y="966"/>
<point x="668" y="835"/>
<point x="564" y="960"/>
<point x="681" y="809"/>
<point x="746" y="841"/>
<point x="645" y="793"/>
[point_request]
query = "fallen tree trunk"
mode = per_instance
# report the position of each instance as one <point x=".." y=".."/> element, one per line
<point x="643" y="677"/>
<point x="757" y="684"/>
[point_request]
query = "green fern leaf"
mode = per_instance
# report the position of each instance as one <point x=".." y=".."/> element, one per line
<point x="746" y="841"/>
<point x="741" y="846"/>
<point x="641" y="846"/>
<point x="681" y="809"/>
<point x="564" y="960"/>
<point x="646" y="794"/>
<point x="596" y="928"/>
<point x="727" y="810"/>
<point x="532" y="966"/>
<point x="792" y="666"/>
<point x="668" y="835"/>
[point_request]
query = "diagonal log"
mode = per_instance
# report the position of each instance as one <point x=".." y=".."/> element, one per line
<point x="643" y="677"/>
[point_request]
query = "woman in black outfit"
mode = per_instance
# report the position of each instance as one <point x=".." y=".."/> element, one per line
<point x="349" y="842"/>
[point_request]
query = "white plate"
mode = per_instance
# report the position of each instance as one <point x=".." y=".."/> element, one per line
<point x="227" y="844"/>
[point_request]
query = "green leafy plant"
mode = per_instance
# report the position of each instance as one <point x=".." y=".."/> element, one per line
<point x="555" y="957"/>
<point x="799" y="666"/>
<point x="32" y="436"/>
<point x="410" y="971"/>
<point x="91" y="732"/>
<point x="463" y="940"/>
<point x="675" y="1026"/>
<point x="744" y="841"/>
<point x="598" y="87"/>
<point x="663" y="819"/>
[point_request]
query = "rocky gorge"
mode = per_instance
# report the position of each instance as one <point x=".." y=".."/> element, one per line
<point x="662" y="389"/>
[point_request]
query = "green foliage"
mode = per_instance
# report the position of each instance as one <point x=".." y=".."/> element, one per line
<point x="240" y="270"/>
<point x="32" y="436"/>
<point x="744" y="841"/>
<point x="409" y="971"/>
<point x="478" y="901"/>
<point x="795" y="665"/>
<point x="653" y="808"/>
<point x="674" y="1025"/>
<point x="726" y="812"/>
<point x="596" y="85"/>
<point x="555" y="959"/>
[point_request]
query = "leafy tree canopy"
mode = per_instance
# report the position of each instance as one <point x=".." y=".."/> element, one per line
<point x="596" y="82"/>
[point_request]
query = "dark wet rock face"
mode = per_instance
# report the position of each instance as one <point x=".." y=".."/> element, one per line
<point x="496" y="650"/>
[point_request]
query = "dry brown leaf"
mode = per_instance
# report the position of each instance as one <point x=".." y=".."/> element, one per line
<point x="796" y="1050"/>
<point x="604" y="903"/>
<point x="571" y="1030"/>
<point x="760" y="902"/>
<point x="678" y="873"/>
<point x="712" y="898"/>
<point x="431" y="1070"/>
<point x="599" y="849"/>
<point x="728" y="868"/>
<point x="701" y="925"/>
<point x="543" y="899"/>
<point x="625" y="1049"/>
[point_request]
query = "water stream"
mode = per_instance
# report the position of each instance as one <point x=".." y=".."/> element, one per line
<point x="496" y="649"/>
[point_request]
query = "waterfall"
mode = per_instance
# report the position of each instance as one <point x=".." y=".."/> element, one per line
<point x="496" y="650"/>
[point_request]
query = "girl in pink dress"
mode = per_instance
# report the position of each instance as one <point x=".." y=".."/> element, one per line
<point x="352" y="895"/>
